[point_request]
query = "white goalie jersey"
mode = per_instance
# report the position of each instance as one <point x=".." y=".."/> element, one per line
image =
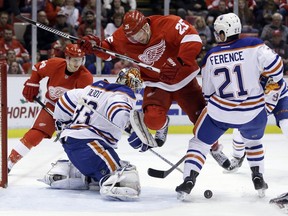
<point x="99" y="111"/>
<point x="231" y="74"/>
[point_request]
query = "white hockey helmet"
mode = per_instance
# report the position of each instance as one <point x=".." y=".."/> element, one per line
<point x="229" y="24"/>
<point x="130" y="77"/>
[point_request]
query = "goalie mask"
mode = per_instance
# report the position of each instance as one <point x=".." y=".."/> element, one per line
<point x="75" y="57"/>
<point x="228" y="24"/>
<point x="130" y="77"/>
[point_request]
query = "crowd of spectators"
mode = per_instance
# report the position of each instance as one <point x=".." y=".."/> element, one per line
<point x="266" y="19"/>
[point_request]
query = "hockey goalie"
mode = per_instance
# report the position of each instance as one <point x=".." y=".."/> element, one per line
<point x="90" y="122"/>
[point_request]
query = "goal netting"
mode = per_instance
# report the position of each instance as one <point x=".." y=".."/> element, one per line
<point x="3" y="124"/>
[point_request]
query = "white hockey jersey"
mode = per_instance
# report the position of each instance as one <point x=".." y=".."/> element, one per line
<point x="99" y="111"/>
<point x="230" y="76"/>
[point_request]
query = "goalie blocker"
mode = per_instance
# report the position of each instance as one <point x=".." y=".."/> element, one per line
<point x="123" y="184"/>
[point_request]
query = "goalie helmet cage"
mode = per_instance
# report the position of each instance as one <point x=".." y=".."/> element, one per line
<point x="3" y="125"/>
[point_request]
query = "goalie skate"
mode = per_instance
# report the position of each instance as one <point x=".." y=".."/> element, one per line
<point x="137" y="122"/>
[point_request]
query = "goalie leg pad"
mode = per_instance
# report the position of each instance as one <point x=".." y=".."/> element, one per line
<point x="139" y="127"/>
<point x="64" y="175"/>
<point x="121" y="185"/>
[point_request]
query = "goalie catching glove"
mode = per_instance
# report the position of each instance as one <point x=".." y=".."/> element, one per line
<point x="31" y="90"/>
<point x="87" y="43"/>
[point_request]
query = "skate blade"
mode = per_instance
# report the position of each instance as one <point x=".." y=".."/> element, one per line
<point x="261" y="192"/>
<point x="181" y="196"/>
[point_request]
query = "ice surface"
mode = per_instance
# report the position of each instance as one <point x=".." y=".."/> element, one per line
<point x="233" y="194"/>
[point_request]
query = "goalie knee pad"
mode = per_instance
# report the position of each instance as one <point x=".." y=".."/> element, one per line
<point x="64" y="175"/>
<point x="123" y="184"/>
<point x="155" y="117"/>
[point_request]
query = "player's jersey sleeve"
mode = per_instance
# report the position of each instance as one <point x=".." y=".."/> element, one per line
<point x="208" y="88"/>
<point x="65" y="106"/>
<point x="38" y="71"/>
<point x="118" y="110"/>
<point x="270" y="63"/>
<point x="47" y="68"/>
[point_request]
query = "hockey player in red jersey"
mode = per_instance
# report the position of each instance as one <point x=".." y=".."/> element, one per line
<point x="63" y="75"/>
<point x="165" y="42"/>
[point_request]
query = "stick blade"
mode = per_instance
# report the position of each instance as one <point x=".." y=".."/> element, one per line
<point x="156" y="173"/>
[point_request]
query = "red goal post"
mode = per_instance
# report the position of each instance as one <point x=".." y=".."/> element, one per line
<point x="3" y="125"/>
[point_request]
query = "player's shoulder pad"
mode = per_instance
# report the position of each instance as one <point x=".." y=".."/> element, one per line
<point x="114" y="87"/>
<point x="241" y="43"/>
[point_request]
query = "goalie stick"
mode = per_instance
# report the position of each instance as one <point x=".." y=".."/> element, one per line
<point x="163" y="173"/>
<point x="70" y="37"/>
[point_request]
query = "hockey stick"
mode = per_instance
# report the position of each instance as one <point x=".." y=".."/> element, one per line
<point x="48" y="111"/>
<point x="164" y="159"/>
<point x="163" y="173"/>
<point x="43" y="106"/>
<point x="70" y="37"/>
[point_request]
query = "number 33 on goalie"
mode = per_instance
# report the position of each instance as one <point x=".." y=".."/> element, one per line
<point x="90" y="140"/>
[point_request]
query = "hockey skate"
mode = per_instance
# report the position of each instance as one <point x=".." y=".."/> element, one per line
<point x="281" y="201"/>
<point x="13" y="158"/>
<point x="236" y="163"/>
<point x="259" y="184"/>
<point x="10" y="164"/>
<point x="220" y="157"/>
<point x="185" y="188"/>
<point x="161" y="135"/>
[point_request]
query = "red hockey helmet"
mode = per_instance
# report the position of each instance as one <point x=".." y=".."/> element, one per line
<point x="133" y="22"/>
<point x="74" y="51"/>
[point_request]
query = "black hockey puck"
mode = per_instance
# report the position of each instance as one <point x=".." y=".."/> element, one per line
<point x="208" y="194"/>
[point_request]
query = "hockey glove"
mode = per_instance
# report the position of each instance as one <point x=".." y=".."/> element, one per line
<point x="169" y="70"/>
<point x="30" y="90"/>
<point x="87" y="43"/>
<point x="136" y="143"/>
<point x="61" y="125"/>
<point x="269" y="85"/>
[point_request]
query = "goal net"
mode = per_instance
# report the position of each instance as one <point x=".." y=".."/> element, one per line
<point x="3" y="124"/>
